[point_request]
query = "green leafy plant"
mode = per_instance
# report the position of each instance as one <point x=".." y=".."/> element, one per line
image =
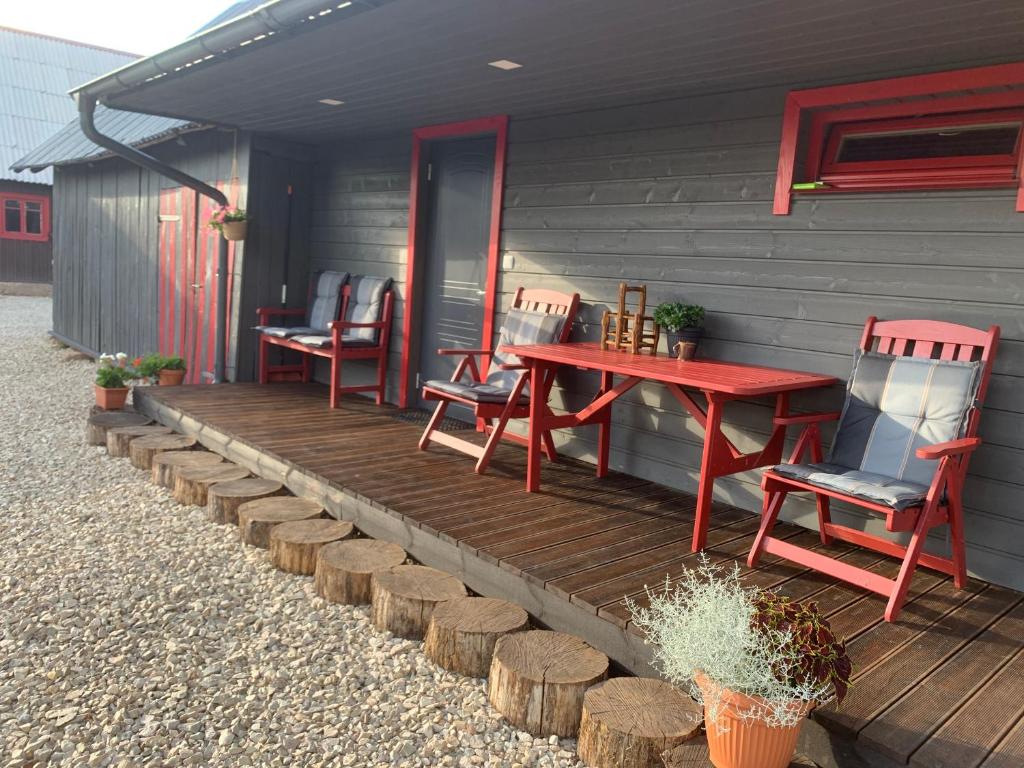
<point x="173" y="363"/>
<point x="744" y="640"/>
<point x="674" y="316"/>
<point x="113" y="377"/>
<point x="224" y="214"/>
<point x="150" y="365"/>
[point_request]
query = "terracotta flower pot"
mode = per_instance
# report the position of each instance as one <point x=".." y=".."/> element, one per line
<point x="110" y="398"/>
<point x="737" y="742"/>
<point x="234" y="230"/>
<point x="171" y="377"/>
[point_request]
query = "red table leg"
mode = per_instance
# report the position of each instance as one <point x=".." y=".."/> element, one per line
<point x="604" y="435"/>
<point x="708" y="471"/>
<point x="536" y="427"/>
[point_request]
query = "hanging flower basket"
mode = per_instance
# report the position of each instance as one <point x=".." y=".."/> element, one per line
<point x="231" y="222"/>
<point x="235" y="230"/>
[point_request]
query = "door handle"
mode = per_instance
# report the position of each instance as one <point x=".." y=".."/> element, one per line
<point x="197" y="285"/>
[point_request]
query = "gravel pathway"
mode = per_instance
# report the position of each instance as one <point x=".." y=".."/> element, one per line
<point x="134" y="632"/>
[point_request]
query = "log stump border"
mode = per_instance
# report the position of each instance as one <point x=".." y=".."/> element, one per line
<point x="344" y="569"/>
<point x="258" y="518"/>
<point x="404" y="598"/>
<point x="294" y="546"/>
<point x="463" y="632"/>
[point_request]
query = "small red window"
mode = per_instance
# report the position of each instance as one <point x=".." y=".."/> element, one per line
<point x="966" y="150"/>
<point x="25" y="217"/>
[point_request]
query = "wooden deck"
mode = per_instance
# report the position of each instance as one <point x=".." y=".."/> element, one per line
<point x="942" y="687"/>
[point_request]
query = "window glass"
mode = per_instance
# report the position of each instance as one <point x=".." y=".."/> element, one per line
<point x="33" y="218"/>
<point x="12" y="216"/>
<point x="947" y="141"/>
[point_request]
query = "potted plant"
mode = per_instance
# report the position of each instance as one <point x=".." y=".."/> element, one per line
<point x="232" y="222"/>
<point x="112" y="379"/>
<point x="757" y="661"/>
<point x="683" y="325"/>
<point x="172" y="371"/>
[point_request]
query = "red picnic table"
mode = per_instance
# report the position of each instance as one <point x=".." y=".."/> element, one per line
<point x="719" y="381"/>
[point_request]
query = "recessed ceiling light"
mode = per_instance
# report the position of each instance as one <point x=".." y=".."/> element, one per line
<point x="504" y="64"/>
<point x="332" y="102"/>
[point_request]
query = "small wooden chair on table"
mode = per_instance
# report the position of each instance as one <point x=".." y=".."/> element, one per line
<point x="363" y="333"/>
<point x="906" y="432"/>
<point x="537" y="316"/>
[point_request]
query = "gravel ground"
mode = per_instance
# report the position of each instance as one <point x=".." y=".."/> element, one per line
<point x="134" y="632"/>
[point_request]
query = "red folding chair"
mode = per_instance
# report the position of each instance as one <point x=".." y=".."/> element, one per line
<point x="537" y="316"/>
<point x="906" y="433"/>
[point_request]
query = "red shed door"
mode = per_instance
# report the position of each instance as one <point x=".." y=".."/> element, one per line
<point x="188" y="280"/>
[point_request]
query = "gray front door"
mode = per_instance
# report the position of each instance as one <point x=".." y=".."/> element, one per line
<point x="460" y="174"/>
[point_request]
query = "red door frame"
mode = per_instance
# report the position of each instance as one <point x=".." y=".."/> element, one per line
<point x="497" y="125"/>
<point x="913" y="87"/>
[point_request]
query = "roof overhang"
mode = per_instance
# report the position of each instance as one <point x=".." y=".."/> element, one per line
<point x="400" y="63"/>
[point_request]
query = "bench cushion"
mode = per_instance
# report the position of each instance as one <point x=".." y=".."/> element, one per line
<point x="282" y="332"/>
<point x="475" y="392"/>
<point x="321" y="342"/>
<point x="326" y="300"/>
<point x="870" y="486"/>
<point x="365" y="302"/>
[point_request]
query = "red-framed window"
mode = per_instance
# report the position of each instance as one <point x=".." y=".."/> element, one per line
<point x="965" y="149"/>
<point x="24" y="217"/>
<point x="959" y="129"/>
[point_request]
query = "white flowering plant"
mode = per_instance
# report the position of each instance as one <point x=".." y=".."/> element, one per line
<point x="780" y="653"/>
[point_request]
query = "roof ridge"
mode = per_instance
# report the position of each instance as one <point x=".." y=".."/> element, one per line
<point x="79" y="43"/>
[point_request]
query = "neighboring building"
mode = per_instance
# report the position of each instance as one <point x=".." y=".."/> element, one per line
<point x="643" y="145"/>
<point x="36" y="73"/>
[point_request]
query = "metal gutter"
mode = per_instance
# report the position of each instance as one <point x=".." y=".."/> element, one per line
<point x="259" y="24"/>
<point x="86" y="119"/>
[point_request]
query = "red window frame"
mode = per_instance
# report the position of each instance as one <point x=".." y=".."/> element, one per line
<point x="21" y="199"/>
<point x="962" y="90"/>
<point x="946" y="172"/>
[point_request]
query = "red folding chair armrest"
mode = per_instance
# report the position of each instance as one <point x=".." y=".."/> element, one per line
<point x="342" y="324"/>
<point x="949" y="448"/>
<point x="514" y="367"/>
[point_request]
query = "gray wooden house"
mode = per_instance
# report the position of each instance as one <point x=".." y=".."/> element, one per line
<point x="36" y="72"/>
<point x="612" y="141"/>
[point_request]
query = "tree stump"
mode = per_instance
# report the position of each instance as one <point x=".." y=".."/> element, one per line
<point x="404" y="598"/>
<point x="223" y="499"/>
<point x="463" y="631"/>
<point x="629" y="721"/>
<point x="99" y="422"/>
<point x="538" y="679"/>
<point x="120" y="438"/>
<point x="256" y="519"/>
<point x="142" y="450"/>
<point x="345" y="569"/>
<point x="192" y="484"/>
<point x="166" y="465"/>
<point x="294" y="546"/>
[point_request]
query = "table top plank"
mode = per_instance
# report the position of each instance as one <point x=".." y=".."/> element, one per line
<point x="728" y="378"/>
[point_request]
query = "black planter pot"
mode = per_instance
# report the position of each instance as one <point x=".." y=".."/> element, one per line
<point x="686" y="335"/>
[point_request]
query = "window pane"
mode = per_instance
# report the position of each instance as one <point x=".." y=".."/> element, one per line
<point x="947" y="141"/>
<point x="12" y="216"/>
<point x="34" y="218"/>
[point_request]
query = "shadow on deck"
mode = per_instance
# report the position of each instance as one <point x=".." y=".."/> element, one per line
<point x="942" y="687"/>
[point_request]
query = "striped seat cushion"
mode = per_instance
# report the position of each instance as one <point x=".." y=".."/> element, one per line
<point x="321" y="341"/>
<point x="894" y="405"/>
<point x="475" y="392"/>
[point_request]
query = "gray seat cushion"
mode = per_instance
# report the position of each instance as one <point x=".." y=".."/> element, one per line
<point x="475" y="392"/>
<point x="321" y="341"/>
<point x="898" y="494"/>
<point x="521" y="327"/>
<point x="283" y="333"/>
<point x="326" y="303"/>
<point x="365" y="303"/>
<point x="894" y="405"/>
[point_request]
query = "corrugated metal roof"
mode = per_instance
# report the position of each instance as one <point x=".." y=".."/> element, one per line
<point x="36" y="73"/>
<point x="233" y="10"/>
<point x="69" y="144"/>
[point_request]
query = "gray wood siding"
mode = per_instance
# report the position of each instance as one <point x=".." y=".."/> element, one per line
<point x="105" y="238"/>
<point x="26" y="261"/>
<point x="360" y="224"/>
<point x="677" y="195"/>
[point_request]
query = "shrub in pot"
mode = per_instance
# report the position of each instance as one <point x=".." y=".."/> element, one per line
<point x="172" y="371"/>
<point x="232" y="222"/>
<point x="683" y="324"/>
<point x="112" y="379"/>
<point x="757" y="662"/>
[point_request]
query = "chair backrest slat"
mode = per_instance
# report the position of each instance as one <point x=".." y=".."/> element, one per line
<point x="924" y="349"/>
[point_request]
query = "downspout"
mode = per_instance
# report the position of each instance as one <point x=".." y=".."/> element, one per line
<point x="86" y="115"/>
